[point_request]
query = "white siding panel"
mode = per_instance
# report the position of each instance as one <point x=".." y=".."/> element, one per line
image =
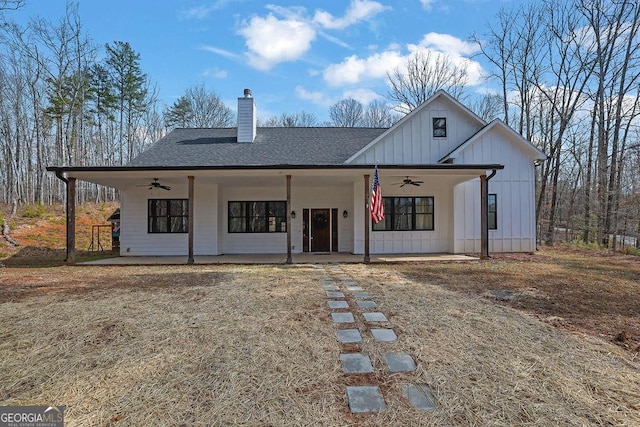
<point x="136" y="241"/>
<point x="412" y="142"/>
<point x="437" y="241"/>
<point x="242" y="243"/>
<point x="514" y="186"/>
<point x="340" y="198"/>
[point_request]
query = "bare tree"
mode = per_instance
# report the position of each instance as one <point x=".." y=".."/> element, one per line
<point x="379" y="115"/>
<point x="425" y="73"/>
<point x="207" y="109"/>
<point x="299" y="119"/>
<point x="497" y="46"/>
<point x="347" y="113"/>
<point x="11" y="4"/>
<point x="489" y="106"/>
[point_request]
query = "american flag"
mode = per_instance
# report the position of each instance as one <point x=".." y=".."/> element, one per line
<point x="376" y="207"/>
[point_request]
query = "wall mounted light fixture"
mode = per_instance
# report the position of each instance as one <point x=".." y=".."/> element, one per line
<point x="293" y="214"/>
<point x="345" y="214"/>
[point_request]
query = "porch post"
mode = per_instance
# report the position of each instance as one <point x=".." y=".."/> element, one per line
<point x="289" y="259"/>
<point x="191" y="225"/>
<point x="71" y="220"/>
<point x="484" y="223"/>
<point x="367" y="215"/>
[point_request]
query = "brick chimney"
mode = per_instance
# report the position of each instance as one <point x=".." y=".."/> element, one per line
<point x="246" y="117"/>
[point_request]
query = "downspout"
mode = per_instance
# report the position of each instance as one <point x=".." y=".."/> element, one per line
<point x="485" y="202"/>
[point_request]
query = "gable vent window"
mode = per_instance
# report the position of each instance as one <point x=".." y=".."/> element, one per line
<point x="439" y="127"/>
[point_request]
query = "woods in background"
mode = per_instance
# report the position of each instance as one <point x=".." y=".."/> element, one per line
<point x="566" y="73"/>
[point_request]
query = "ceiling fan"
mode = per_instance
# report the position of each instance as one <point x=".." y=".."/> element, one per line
<point x="155" y="184"/>
<point x="409" y="181"/>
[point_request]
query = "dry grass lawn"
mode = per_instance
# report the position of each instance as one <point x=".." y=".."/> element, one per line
<point x="255" y="346"/>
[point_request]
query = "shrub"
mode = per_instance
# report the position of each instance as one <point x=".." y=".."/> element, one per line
<point x="33" y="211"/>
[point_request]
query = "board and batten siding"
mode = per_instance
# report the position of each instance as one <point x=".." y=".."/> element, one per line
<point x="515" y="190"/>
<point x="438" y="240"/>
<point x="329" y="197"/>
<point x="412" y="141"/>
<point x="135" y="240"/>
<point x="302" y="197"/>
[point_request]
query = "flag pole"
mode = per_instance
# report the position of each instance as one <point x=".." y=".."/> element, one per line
<point x="367" y="214"/>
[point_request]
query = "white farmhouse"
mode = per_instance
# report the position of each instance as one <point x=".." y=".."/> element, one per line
<point x="451" y="183"/>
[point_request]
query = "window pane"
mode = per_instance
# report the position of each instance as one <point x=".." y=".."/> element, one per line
<point x="424" y="205"/>
<point x="159" y="224"/>
<point x="424" y="222"/>
<point x="492" y="221"/>
<point x="257" y="209"/>
<point x="237" y="209"/>
<point x="277" y="208"/>
<point x="383" y="225"/>
<point x="403" y="208"/>
<point x="178" y="207"/>
<point x="492" y="215"/>
<point x="179" y="224"/>
<point x="237" y="225"/>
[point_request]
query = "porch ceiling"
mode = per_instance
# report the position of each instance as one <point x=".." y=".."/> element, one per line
<point x="124" y="178"/>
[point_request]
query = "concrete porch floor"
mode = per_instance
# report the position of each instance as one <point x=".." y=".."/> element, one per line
<point x="305" y="258"/>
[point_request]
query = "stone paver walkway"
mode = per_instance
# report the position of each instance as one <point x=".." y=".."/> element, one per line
<point x="366" y="398"/>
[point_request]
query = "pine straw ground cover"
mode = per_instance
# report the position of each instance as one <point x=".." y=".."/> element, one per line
<point x="255" y="345"/>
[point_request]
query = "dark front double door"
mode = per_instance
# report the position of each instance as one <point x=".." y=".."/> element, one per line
<point x="320" y="230"/>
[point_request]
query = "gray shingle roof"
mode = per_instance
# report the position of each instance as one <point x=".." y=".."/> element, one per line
<point x="272" y="146"/>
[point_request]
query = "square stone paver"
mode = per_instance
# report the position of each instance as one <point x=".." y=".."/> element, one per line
<point x="361" y="295"/>
<point x="331" y="288"/>
<point x="384" y="334"/>
<point x="375" y="316"/>
<point x="338" y="304"/>
<point x="355" y="363"/>
<point x="343" y="317"/>
<point x="348" y="336"/>
<point x="354" y="288"/>
<point x="366" y="304"/>
<point x="400" y="362"/>
<point x="365" y="399"/>
<point x="331" y="294"/>
<point x="420" y="396"/>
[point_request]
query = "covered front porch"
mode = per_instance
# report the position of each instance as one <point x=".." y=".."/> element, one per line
<point x="208" y="238"/>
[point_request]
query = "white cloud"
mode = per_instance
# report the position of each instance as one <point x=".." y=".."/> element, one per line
<point x="201" y="12"/>
<point x="315" y="97"/>
<point x="220" y="52"/>
<point x="271" y="40"/>
<point x="286" y="33"/>
<point x="427" y="4"/>
<point x="359" y="10"/>
<point x="354" y="69"/>
<point x="448" y="44"/>
<point x="365" y="96"/>
<point x="215" y="73"/>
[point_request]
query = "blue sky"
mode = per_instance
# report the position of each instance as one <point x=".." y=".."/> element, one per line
<point x="294" y="55"/>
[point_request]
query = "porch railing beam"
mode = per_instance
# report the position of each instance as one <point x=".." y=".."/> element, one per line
<point x="289" y="258"/>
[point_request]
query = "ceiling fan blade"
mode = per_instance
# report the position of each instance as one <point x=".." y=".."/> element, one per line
<point x="415" y="183"/>
<point x="164" y="187"/>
